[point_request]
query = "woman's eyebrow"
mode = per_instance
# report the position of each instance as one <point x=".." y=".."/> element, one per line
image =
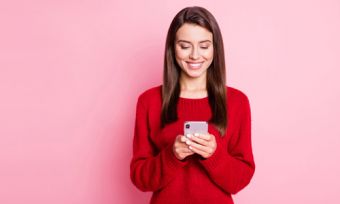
<point x="185" y="41"/>
<point x="203" y="41"/>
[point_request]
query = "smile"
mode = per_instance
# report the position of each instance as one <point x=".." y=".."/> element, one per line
<point x="195" y="65"/>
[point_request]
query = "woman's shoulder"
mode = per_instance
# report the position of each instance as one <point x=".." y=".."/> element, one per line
<point x="151" y="94"/>
<point x="236" y="94"/>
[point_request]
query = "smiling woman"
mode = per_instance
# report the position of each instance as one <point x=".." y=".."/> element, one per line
<point x="194" y="51"/>
<point x="203" y="167"/>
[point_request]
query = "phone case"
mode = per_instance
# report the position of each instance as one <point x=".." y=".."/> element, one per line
<point x="191" y="127"/>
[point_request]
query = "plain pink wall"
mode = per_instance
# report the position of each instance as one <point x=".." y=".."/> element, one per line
<point x="71" y="71"/>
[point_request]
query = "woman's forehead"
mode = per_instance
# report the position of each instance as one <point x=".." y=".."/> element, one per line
<point x="193" y="33"/>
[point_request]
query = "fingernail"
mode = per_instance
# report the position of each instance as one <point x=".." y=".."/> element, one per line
<point x="196" y="134"/>
<point x="188" y="135"/>
<point x="188" y="142"/>
<point x="182" y="139"/>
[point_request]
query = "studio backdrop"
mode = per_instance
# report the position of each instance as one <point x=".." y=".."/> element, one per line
<point x="71" y="72"/>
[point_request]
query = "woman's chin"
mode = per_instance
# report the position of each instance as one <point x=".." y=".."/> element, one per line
<point x="194" y="74"/>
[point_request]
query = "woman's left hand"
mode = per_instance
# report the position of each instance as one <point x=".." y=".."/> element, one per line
<point x="202" y="144"/>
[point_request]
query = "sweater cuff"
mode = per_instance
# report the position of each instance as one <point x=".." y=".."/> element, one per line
<point x="170" y="159"/>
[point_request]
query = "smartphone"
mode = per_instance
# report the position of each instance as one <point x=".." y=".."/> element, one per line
<point x="191" y="127"/>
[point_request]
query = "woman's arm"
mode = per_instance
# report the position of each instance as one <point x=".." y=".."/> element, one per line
<point x="150" y="170"/>
<point x="233" y="169"/>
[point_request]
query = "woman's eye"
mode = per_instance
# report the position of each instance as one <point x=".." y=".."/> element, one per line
<point x="184" y="47"/>
<point x="205" y="47"/>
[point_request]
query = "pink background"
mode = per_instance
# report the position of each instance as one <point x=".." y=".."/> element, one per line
<point x="71" y="71"/>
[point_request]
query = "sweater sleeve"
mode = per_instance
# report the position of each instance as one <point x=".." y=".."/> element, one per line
<point x="150" y="170"/>
<point x="232" y="168"/>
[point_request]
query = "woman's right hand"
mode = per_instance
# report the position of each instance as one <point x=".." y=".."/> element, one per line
<point x="180" y="148"/>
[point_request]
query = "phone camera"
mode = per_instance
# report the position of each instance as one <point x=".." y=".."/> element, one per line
<point x="187" y="126"/>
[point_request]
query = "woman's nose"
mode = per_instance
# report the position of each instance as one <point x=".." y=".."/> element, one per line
<point x="194" y="54"/>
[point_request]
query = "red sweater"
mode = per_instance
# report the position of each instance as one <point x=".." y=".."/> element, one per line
<point x="155" y="168"/>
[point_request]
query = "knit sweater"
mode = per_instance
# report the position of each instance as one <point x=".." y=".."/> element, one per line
<point x="155" y="168"/>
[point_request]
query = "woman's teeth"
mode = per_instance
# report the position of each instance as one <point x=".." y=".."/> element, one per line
<point x="195" y="65"/>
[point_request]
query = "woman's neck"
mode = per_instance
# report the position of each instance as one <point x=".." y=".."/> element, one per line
<point x="193" y="87"/>
<point x="192" y="84"/>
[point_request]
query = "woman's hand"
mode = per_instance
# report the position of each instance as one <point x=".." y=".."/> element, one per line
<point x="180" y="149"/>
<point x="202" y="144"/>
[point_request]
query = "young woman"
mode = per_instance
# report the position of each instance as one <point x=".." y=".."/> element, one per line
<point x="193" y="168"/>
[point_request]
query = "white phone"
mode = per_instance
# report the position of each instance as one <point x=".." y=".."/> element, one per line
<point x="192" y="127"/>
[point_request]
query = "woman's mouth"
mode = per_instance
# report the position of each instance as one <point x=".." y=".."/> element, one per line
<point x="194" y="65"/>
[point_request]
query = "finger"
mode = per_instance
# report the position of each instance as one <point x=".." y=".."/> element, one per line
<point x="186" y="150"/>
<point x="178" y="137"/>
<point x="183" y="151"/>
<point x="207" y="136"/>
<point x="189" y="135"/>
<point x="183" y="147"/>
<point x="199" y="141"/>
<point x="200" y="147"/>
<point x="183" y="138"/>
<point x="200" y="152"/>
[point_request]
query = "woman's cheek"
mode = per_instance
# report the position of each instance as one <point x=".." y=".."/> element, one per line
<point x="184" y="54"/>
<point x="208" y="54"/>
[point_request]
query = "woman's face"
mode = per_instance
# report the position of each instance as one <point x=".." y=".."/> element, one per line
<point x="194" y="50"/>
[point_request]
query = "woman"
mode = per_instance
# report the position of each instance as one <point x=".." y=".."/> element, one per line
<point x="200" y="168"/>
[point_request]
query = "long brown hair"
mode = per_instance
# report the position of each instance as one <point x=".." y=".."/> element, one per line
<point x="216" y="77"/>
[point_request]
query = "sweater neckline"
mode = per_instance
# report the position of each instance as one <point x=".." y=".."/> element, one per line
<point x="189" y="106"/>
<point x="193" y="99"/>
